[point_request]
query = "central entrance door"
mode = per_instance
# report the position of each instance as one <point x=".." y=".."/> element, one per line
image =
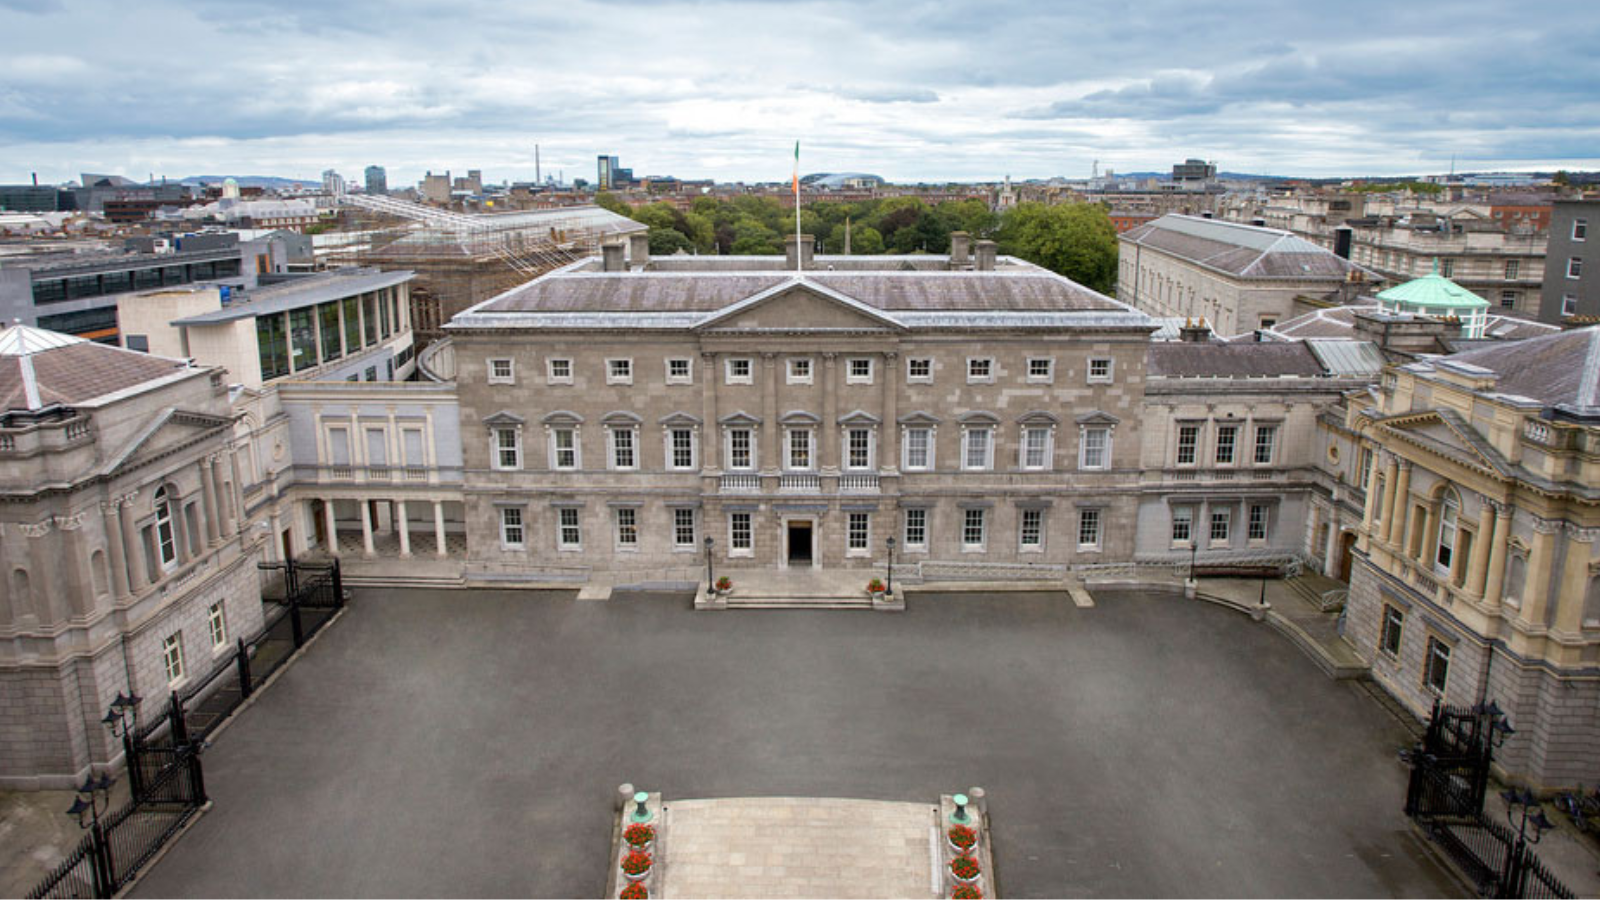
<point x="799" y="544"/>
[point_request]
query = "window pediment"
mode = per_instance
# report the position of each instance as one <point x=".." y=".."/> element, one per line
<point x="978" y="417"/>
<point x="562" y="417"/>
<point x="621" y="417"/>
<point x="503" y="418"/>
<point x="859" y="417"/>
<point x="799" y="417"/>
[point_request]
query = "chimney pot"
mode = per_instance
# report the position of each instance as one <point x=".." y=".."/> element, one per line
<point x="611" y="257"/>
<point x="986" y="251"/>
<point x="803" y="247"/>
<point x="639" y="248"/>
<point x="960" y="249"/>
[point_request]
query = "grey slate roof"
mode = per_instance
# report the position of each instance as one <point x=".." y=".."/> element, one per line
<point x="70" y="370"/>
<point x="1217" y="359"/>
<point x="1558" y="369"/>
<point x="1242" y="251"/>
<point x="300" y="293"/>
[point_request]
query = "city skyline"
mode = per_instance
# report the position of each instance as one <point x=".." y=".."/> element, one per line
<point x="908" y="91"/>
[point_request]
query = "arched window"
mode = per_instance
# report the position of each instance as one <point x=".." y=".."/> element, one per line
<point x="1449" y="517"/>
<point x="166" y="543"/>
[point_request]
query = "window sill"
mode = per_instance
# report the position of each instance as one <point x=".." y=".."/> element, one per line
<point x="1031" y="549"/>
<point x="578" y="549"/>
<point x="858" y="554"/>
<point x="1089" y="548"/>
<point x="741" y="554"/>
<point x="554" y="381"/>
<point x="974" y="548"/>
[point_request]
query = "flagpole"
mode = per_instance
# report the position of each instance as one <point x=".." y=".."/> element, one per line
<point x="799" y="251"/>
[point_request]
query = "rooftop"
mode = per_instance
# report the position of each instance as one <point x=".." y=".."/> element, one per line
<point x="310" y="290"/>
<point x="41" y="368"/>
<point x="1561" y="369"/>
<point x="1432" y="291"/>
<point x="1243" y="251"/>
<point x="1216" y="359"/>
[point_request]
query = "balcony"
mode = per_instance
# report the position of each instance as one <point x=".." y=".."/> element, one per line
<point x="740" y="484"/>
<point x="858" y="484"/>
<point x="799" y="483"/>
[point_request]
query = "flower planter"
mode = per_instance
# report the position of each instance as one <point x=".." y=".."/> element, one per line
<point x="964" y="870"/>
<point x="877" y="596"/>
<point x="964" y="830"/>
<point x="639" y="877"/>
<point x="640" y="862"/>
<point x="959" y="850"/>
<point x="641" y="848"/>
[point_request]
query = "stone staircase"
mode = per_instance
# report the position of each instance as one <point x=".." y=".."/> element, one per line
<point x="799" y="590"/>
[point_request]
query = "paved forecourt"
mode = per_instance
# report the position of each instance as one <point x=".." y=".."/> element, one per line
<point x="470" y="743"/>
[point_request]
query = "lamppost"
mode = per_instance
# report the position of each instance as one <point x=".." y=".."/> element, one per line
<point x="890" y="541"/>
<point x="1522" y="810"/>
<point x="122" y="719"/>
<point x="98" y="794"/>
<point x="710" y="582"/>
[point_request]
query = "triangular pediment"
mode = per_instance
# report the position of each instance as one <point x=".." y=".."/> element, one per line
<point x="1444" y="432"/>
<point x="799" y="306"/>
<point x="169" y="431"/>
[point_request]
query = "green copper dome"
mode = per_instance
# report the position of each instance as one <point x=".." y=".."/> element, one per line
<point x="1433" y="294"/>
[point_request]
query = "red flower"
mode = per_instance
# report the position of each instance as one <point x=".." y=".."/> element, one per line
<point x="964" y="867"/>
<point x="963" y="836"/>
<point x="874" y="586"/>
<point x="636" y="862"/>
<point x="724" y="583"/>
<point x="636" y="891"/>
<point x="639" y="835"/>
<point x="966" y="892"/>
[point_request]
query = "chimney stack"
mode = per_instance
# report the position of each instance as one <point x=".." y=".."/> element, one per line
<point x="36" y="179"/>
<point x="800" y="247"/>
<point x="611" y="257"/>
<point x="1194" y="332"/>
<point x="639" y="248"/>
<point x="960" y="249"/>
<point x="986" y="251"/>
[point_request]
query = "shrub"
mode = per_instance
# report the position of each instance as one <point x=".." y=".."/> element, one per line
<point x="965" y="892"/>
<point x="963" y="836"/>
<point x="964" y="867"/>
<point x="639" y="835"/>
<point x="636" y="891"/>
<point x="874" y="586"/>
<point x="636" y="863"/>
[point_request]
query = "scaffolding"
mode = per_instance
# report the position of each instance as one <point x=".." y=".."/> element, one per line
<point x="465" y="258"/>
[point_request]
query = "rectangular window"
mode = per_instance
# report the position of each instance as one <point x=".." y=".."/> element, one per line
<point x="1220" y="520"/>
<point x="1574" y="267"/>
<point x="972" y="528"/>
<point x="918" y="448"/>
<point x="1031" y="536"/>
<point x="217" y="620"/>
<point x="1041" y="368"/>
<point x="628" y="528"/>
<point x="1188" y="441"/>
<point x="976" y="454"/>
<point x="302" y="338"/>
<point x="564" y="448"/>
<point x="328" y="331"/>
<point x="683" y="530"/>
<point x="412" y="452"/>
<point x="1036" y="448"/>
<point x="1227" y="437"/>
<point x="1366" y="468"/>
<point x="352" y="323"/>
<point x="500" y="372"/>
<point x="339" y="446"/>
<point x="680" y="371"/>
<point x="568" y="534"/>
<point x="739" y="448"/>
<point x="1580" y="229"/>
<point x="272" y="343"/>
<point x="799" y="371"/>
<point x="511" y="534"/>
<point x="739" y="535"/>
<point x="919" y="369"/>
<point x="508" y="450"/>
<point x="858" y="534"/>
<point x="1088" y="528"/>
<point x="916" y="528"/>
<point x="1258" y="522"/>
<point x="1569" y="304"/>
<point x="740" y="371"/>
<point x="1511" y="269"/>
<point x="980" y="369"/>
<point x="619" y="371"/>
<point x="1447" y="268"/>
<point x="1099" y="370"/>
<point x="1182" y="524"/>
<point x="683" y="448"/>
<point x="1508" y="299"/>
<point x="1394" y="622"/>
<point x="622" y="455"/>
<point x="560" y="371"/>
<point x="172" y="657"/>
<point x="800" y="448"/>
<point x="1437" y="671"/>
<point x="1266" y="435"/>
<point x="860" y="449"/>
<point x="1094" y="448"/>
<point x="859" y="371"/>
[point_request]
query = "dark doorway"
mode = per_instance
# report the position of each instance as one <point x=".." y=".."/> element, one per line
<point x="1346" y="541"/>
<point x="319" y="524"/>
<point x="288" y="545"/>
<point x="800" y="543"/>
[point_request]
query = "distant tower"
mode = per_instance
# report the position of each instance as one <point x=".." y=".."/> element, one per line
<point x="230" y="189"/>
<point x="332" y="183"/>
<point x="377" y="180"/>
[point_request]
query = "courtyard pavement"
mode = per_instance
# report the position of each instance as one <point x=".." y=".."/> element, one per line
<point x="469" y="743"/>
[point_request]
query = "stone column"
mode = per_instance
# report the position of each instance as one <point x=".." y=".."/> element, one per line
<point x="402" y="525"/>
<point x="274" y="543"/>
<point x="1400" y="512"/>
<point x="1568" y="616"/>
<point x="1478" y="569"/>
<point x="133" y="553"/>
<point x="889" y="431"/>
<point x="366" y="528"/>
<point x="1391" y="480"/>
<point x="208" y="503"/>
<point x="438" y="529"/>
<point x="828" y="455"/>
<point x="771" y="433"/>
<point x="225" y="517"/>
<point x="114" y="549"/>
<point x="1428" y="540"/>
<point x="1330" y="557"/>
<point x="1494" y="585"/>
<point x="1536" y="584"/>
<point x="1369" y="509"/>
<point x="239" y="520"/>
<point x="331" y="526"/>
<point x="711" y="437"/>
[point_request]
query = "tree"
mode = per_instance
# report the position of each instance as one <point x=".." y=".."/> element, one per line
<point x="866" y="240"/>
<point x="1076" y="240"/>
<point x="667" y="241"/>
<point x="1561" y="178"/>
<point x="608" y="200"/>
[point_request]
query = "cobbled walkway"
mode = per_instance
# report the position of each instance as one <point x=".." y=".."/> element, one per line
<point x="789" y="847"/>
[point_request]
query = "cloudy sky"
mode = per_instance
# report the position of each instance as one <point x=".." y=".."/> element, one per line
<point x="911" y="90"/>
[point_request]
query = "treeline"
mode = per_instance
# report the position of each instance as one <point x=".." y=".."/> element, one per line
<point x="1075" y="240"/>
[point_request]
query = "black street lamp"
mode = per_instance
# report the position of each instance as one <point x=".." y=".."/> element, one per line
<point x="890" y="542"/>
<point x="710" y="581"/>
<point x="1531" y="813"/>
<point x="123" y="715"/>
<point x="98" y="794"/>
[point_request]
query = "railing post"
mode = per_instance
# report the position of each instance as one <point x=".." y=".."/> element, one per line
<point x="105" y="880"/>
<point x="180" y="731"/>
<point x="338" y="585"/>
<point x="130" y="758"/>
<point x="244" y="670"/>
<point x="197" y="779"/>
<point x="294" y="621"/>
